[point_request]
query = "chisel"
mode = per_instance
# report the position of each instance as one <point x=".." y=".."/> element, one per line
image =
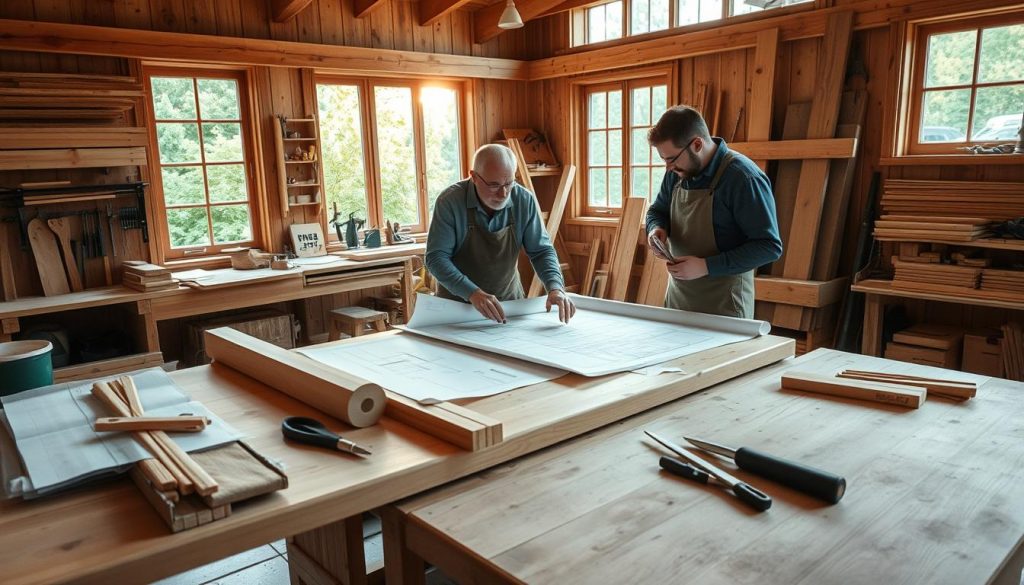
<point x="813" y="482"/>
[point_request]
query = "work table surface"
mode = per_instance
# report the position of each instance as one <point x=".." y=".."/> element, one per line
<point x="935" y="495"/>
<point x="108" y="533"/>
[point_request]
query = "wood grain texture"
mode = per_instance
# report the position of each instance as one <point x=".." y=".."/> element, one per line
<point x="48" y="259"/>
<point x="623" y="252"/>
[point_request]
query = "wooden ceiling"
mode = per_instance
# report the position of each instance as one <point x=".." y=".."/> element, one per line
<point x="485" y="12"/>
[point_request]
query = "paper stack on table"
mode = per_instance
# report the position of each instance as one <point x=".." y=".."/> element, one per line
<point x="47" y="441"/>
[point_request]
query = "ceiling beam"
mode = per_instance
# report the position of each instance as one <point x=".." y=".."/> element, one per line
<point x="52" y="37"/>
<point x="567" y="5"/>
<point x="432" y="10"/>
<point x="362" y="8"/>
<point x="284" y="10"/>
<point x="485" y="20"/>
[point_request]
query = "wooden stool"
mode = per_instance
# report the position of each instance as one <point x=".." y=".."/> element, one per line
<point x="393" y="306"/>
<point x="354" y="320"/>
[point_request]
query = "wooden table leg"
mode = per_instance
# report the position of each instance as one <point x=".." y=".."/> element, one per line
<point x="871" y="337"/>
<point x="329" y="555"/>
<point x="8" y="327"/>
<point x="401" y="565"/>
<point x="408" y="294"/>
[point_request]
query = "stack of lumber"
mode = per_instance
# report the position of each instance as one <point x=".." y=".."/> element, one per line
<point x="1013" y="351"/>
<point x="918" y="227"/>
<point x="1002" y="280"/>
<point x="932" y="345"/>
<point x="964" y="199"/>
<point x="929" y="277"/>
<point x="146" y="277"/>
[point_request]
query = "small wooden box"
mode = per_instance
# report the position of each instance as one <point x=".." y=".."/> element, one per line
<point x="927" y="356"/>
<point x="983" y="353"/>
<point x="271" y="326"/>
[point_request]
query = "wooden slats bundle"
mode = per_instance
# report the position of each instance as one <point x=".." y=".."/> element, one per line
<point x="1002" y="280"/>
<point x="936" y="277"/>
<point x="910" y="227"/>
<point x="988" y="200"/>
<point x="951" y="388"/>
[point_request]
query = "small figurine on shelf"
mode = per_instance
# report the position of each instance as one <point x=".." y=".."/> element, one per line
<point x="296" y="154"/>
<point x="283" y="120"/>
<point x="311" y="152"/>
<point x="351" y="227"/>
<point x="292" y="180"/>
<point x="371" y="239"/>
<point x="394" y="233"/>
<point x="294" y="134"/>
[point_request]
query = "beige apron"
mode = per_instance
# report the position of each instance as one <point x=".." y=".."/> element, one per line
<point x="490" y="260"/>
<point x="692" y="233"/>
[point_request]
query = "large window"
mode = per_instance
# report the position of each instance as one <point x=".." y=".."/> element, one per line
<point x="968" y="85"/>
<point x="613" y="20"/>
<point x="202" y="181"/>
<point x="389" y="147"/>
<point x="618" y="160"/>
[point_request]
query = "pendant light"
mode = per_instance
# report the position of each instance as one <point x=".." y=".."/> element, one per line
<point x="510" y="17"/>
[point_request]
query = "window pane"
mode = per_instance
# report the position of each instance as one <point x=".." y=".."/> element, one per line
<point x="1002" y="54"/>
<point x="596" y="151"/>
<point x="945" y="115"/>
<point x="598" y="118"/>
<point x="657" y="176"/>
<point x="173" y="98"/>
<point x="639" y="13"/>
<point x="396" y="154"/>
<point x="950" y="59"/>
<point x="659" y="14"/>
<point x="230" y="223"/>
<point x="641" y="184"/>
<point x="227" y="183"/>
<point x="188" y="227"/>
<point x="342" y="149"/>
<point x="222" y="142"/>
<point x="182" y="185"/>
<point x="595" y="24"/>
<point x="613" y="20"/>
<point x="218" y="99"/>
<point x="615" y="147"/>
<point x="710" y="10"/>
<point x="615" y="109"/>
<point x="615" y="187"/>
<point x="641" y="151"/>
<point x="178" y="143"/>
<point x="641" y="107"/>
<point x="660" y="100"/>
<point x="997" y="112"/>
<point x="441" y="136"/>
<point x="596" y="187"/>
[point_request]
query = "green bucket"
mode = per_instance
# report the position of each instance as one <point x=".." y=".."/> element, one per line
<point x="25" y="365"/>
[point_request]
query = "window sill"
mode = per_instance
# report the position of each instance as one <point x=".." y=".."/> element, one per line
<point x="607" y="221"/>
<point x="952" y="159"/>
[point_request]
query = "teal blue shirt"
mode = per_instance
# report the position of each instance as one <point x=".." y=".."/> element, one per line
<point x="448" y="229"/>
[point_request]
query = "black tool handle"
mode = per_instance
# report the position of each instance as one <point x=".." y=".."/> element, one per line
<point x="683" y="469"/>
<point x="308" y="430"/>
<point x="749" y="494"/>
<point x="820" y="484"/>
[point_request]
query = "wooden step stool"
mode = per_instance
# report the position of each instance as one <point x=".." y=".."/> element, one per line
<point x="354" y="321"/>
<point x="391" y="305"/>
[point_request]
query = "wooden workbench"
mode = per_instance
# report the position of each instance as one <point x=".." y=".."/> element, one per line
<point x="934" y="496"/>
<point x="108" y="533"/>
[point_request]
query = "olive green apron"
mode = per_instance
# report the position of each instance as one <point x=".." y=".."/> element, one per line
<point x="692" y="233"/>
<point x="489" y="259"/>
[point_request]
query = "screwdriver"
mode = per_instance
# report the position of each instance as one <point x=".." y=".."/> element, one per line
<point x="813" y="482"/>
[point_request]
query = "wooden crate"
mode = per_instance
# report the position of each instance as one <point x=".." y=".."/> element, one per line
<point x="983" y="353"/>
<point x="271" y="326"/>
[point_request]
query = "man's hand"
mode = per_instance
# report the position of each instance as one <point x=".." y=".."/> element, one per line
<point x="566" y="309"/>
<point x="661" y="236"/>
<point x="488" y="305"/>
<point x="688" y="268"/>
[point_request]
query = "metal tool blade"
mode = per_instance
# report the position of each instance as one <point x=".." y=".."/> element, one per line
<point x="717" y="473"/>
<point x="712" y="447"/>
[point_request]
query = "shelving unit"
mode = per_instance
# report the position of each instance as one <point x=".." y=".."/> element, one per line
<point x="307" y="173"/>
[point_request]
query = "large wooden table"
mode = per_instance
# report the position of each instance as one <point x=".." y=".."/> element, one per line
<point x="108" y="534"/>
<point x="935" y="495"/>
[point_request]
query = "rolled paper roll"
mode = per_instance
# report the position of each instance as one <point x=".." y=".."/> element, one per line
<point x="354" y="400"/>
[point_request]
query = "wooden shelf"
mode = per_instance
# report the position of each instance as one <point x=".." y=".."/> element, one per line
<point x="546" y="172"/>
<point x="94" y="297"/>
<point x="993" y="243"/>
<point x="300" y="162"/>
<point x="977" y="297"/>
<point x="303" y="204"/>
<point x="307" y="138"/>
<point x="297" y="185"/>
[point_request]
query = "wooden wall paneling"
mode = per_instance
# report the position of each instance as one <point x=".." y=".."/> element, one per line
<point x="332" y="24"/>
<point x="357" y="30"/>
<point x="255" y="19"/>
<point x="284" y="31"/>
<point x="168" y="15"/>
<point x="382" y="33"/>
<point x="59" y="11"/>
<point x="229" y="18"/>
<point x="733" y="92"/>
<point x="786" y="177"/>
<point x="423" y="36"/>
<point x="462" y="33"/>
<point x="441" y="30"/>
<point x="200" y="16"/>
<point x="403" y="14"/>
<point x="762" y="89"/>
<point x="308" y="26"/>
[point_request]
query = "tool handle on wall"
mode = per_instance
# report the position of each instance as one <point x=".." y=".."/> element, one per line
<point x="813" y="482"/>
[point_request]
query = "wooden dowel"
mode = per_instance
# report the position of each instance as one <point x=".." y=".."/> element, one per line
<point x="190" y="424"/>
<point x="158" y="475"/>
<point x="132" y="393"/>
<point x="951" y="388"/>
<point x="202" y="482"/>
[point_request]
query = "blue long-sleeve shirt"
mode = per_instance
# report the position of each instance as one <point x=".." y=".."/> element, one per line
<point x="742" y="213"/>
<point x="448" y="229"/>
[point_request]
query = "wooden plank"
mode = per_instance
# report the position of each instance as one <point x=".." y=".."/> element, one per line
<point x="48" y="261"/>
<point x="396" y="251"/>
<point x="284" y="10"/>
<point x="895" y="394"/>
<point x="586" y="287"/>
<point x="70" y="158"/>
<point x="167" y="46"/>
<point x="623" y="253"/>
<point x="10" y="289"/>
<point x="821" y="148"/>
<point x="801" y="293"/>
<point x="810" y="193"/>
<point x="787" y="176"/>
<point x="363" y="8"/>
<point x="58" y="138"/>
<point x="430" y="11"/>
<point x="108" y="367"/>
<point x="762" y="91"/>
<point x="561" y="197"/>
<point x="653" y="282"/>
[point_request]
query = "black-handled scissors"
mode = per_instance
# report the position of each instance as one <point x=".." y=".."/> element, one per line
<point x="313" y="432"/>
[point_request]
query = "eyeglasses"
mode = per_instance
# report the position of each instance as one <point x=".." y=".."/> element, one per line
<point x="495" y="186"/>
<point x="669" y="161"/>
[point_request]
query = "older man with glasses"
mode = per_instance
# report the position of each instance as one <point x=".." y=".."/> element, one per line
<point x="478" y="227"/>
<point x="714" y="214"/>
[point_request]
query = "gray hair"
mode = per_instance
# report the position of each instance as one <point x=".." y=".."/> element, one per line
<point x="493" y="153"/>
